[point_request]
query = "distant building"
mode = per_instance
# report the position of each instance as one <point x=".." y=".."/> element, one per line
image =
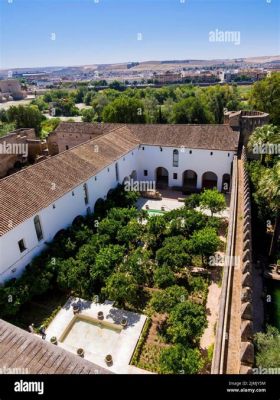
<point x="245" y="75"/>
<point x="17" y="148"/>
<point x="168" y="77"/>
<point x="10" y="89"/>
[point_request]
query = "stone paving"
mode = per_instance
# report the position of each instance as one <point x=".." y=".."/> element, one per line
<point x="234" y="338"/>
<point x="98" y="341"/>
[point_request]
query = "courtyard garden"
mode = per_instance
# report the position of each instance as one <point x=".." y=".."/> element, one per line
<point x="143" y="263"/>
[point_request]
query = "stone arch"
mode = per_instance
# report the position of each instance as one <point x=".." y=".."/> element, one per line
<point x="77" y="220"/>
<point x="209" y="180"/>
<point x="162" y="177"/>
<point x="99" y="206"/>
<point x="226" y="183"/>
<point x="133" y="175"/>
<point x="59" y="234"/>
<point x="189" y="180"/>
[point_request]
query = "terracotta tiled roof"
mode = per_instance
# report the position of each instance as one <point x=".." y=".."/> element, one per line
<point x="210" y="136"/>
<point x="28" y="191"/>
<point x="25" y="193"/>
<point x="21" y="349"/>
<point x="86" y="127"/>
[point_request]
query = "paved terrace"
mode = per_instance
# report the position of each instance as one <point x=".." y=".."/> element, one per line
<point x="98" y="341"/>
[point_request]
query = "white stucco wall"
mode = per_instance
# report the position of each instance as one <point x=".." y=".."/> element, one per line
<point x="199" y="161"/>
<point x="68" y="207"/>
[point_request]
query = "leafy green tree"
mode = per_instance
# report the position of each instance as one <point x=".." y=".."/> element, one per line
<point x="174" y="252"/>
<point x="190" y="111"/>
<point x="212" y="200"/>
<point x="264" y="135"/>
<point x="204" y="242"/>
<point x="184" y="221"/>
<point x="26" y="117"/>
<point x="130" y="234"/>
<point x="106" y="261"/>
<point x="116" y="85"/>
<point x="99" y="103"/>
<point x="89" y="115"/>
<point x="151" y="108"/>
<point x="124" y="110"/>
<point x="110" y="227"/>
<point x="268" y="348"/>
<point x="79" y="95"/>
<point x="6" y="128"/>
<point x="72" y="274"/>
<point x="180" y="359"/>
<point x="192" y="201"/>
<point x="66" y="107"/>
<point x="269" y="189"/>
<point x="165" y="300"/>
<point x="49" y="125"/>
<point x="164" y="277"/>
<point x="186" y="323"/>
<point x="122" y="288"/>
<point x="265" y="96"/>
<point x="138" y="264"/>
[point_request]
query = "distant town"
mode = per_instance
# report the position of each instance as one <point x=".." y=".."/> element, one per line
<point x="136" y="74"/>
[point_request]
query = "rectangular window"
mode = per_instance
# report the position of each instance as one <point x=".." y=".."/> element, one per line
<point x="21" y="245"/>
<point x="175" y="158"/>
<point x="38" y="228"/>
<point x="117" y="171"/>
<point x="145" y="172"/>
<point x="85" y="193"/>
<point x="175" y="176"/>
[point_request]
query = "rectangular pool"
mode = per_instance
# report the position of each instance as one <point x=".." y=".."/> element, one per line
<point x="97" y="337"/>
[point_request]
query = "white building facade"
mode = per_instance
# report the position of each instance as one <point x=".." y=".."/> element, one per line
<point x="165" y="165"/>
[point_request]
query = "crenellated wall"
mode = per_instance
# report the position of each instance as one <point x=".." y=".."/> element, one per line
<point x="246" y="327"/>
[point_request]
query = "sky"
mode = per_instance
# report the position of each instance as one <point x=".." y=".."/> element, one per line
<point x="38" y="33"/>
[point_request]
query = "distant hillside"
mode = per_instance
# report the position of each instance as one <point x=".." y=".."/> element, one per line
<point x="159" y="66"/>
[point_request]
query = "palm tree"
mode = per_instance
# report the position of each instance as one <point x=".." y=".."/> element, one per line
<point x="265" y="135"/>
<point x="269" y="188"/>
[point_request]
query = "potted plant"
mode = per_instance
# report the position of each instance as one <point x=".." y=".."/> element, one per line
<point x="76" y="309"/>
<point x="53" y="340"/>
<point x="124" y="322"/>
<point x="81" y="352"/>
<point x="100" y="315"/>
<point x="109" y="359"/>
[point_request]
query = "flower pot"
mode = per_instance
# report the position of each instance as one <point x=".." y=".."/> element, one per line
<point x="81" y="352"/>
<point x="54" y="340"/>
<point x="100" y="315"/>
<point x="124" y="322"/>
<point x="76" y="309"/>
<point x="109" y="359"/>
